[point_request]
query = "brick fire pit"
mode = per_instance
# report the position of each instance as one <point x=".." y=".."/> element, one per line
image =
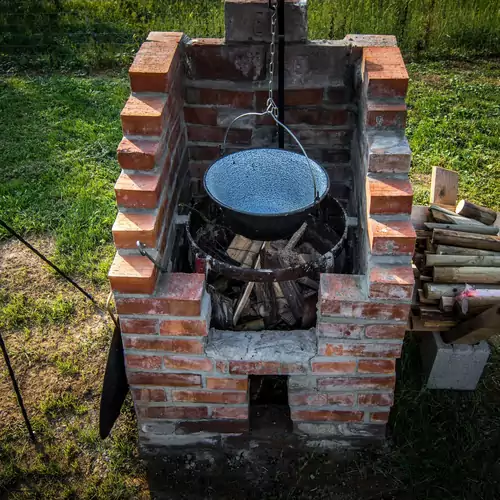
<point x="345" y="101"/>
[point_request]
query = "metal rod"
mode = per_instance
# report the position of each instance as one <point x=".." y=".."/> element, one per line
<point x="281" y="71"/>
<point x="16" y="390"/>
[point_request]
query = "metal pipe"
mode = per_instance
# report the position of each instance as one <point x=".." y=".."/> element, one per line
<point x="281" y="71"/>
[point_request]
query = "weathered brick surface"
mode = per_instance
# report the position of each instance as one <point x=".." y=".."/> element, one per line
<point x="326" y="416"/>
<point x="375" y="399"/>
<point x="385" y="331"/>
<point x="391" y="237"/>
<point x="376" y="366"/>
<point x="130" y="227"/>
<point x="333" y="366"/>
<point x="389" y="196"/>
<point x="234" y="384"/>
<point x="138" y="154"/>
<point x="355" y="383"/>
<point x="200" y="115"/>
<point x="220" y="97"/>
<point x="209" y="397"/>
<point x="149" y="395"/>
<point x="378" y="350"/>
<point x="164" y="344"/>
<point x="146" y="326"/>
<point x="381" y="417"/>
<point x="175" y="412"/>
<point x="394" y="282"/>
<point x="320" y="399"/>
<point x="385" y="114"/>
<point x="189" y="364"/>
<point x="132" y="274"/>
<point x="254" y="367"/>
<point x="217" y="134"/>
<point x="138" y="190"/>
<point x="164" y="379"/>
<point x="235" y="413"/>
<point x="146" y="362"/>
<point x="340" y="331"/>
<point x="388" y="152"/>
<point x="185" y="327"/>
<point x="144" y="115"/>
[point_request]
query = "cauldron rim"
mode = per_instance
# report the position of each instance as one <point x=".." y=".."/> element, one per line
<point x="302" y="209"/>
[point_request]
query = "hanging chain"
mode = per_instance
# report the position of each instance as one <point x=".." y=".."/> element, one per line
<point x="271" y="105"/>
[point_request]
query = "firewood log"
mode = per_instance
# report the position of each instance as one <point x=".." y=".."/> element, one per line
<point x="473" y="211"/>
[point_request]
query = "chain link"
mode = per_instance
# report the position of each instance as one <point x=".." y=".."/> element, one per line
<point x="271" y="105"/>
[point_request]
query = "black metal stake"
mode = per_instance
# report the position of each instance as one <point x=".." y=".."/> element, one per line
<point x="281" y="72"/>
<point x="16" y="389"/>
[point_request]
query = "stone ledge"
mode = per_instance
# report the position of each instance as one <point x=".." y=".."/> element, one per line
<point x="296" y="346"/>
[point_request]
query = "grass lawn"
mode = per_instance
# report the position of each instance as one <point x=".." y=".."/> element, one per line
<point x="59" y="136"/>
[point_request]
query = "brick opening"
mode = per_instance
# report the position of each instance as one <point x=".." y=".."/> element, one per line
<point x="269" y="409"/>
<point x="345" y="100"/>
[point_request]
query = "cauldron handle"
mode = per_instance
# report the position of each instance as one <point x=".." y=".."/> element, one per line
<point x="269" y="111"/>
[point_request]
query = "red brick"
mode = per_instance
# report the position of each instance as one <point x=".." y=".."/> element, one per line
<point x="336" y="288"/>
<point x="376" y="349"/>
<point x="164" y="36"/>
<point x="326" y="416"/>
<point x="395" y="282"/>
<point x="221" y="366"/>
<point x="389" y="196"/>
<point x="320" y="399"/>
<point x="130" y="227"/>
<point x="217" y="134"/>
<point x="235" y="384"/>
<point x="176" y="412"/>
<point x="384" y="72"/>
<point x="148" y="395"/>
<point x="200" y="115"/>
<point x="190" y="364"/>
<point x="147" y="326"/>
<point x="143" y="115"/>
<point x="254" y="367"/>
<point x="356" y="383"/>
<point x="138" y="154"/>
<point x="379" y="417"/>
<point x="217" y="97"/>
<point x="138" y="190"/>
<point x="337" y="95"/>
<point x="132" y="274"/>
<point x="375" y="399"/>
<point x="382" y="114"/>
<point x="395" y="312"/>
<point x="240" y="413"/>
<point x="162" y="344"/>
<point x="177" y="294"/>
<point x="290" y="368"/>
<point x="385" y="331"/>
<point x="155" y="65"/>
<point x="217" y="426"/>
<point x="334" y="366"/>
<point x="391" y="237"/>
<point x="148" y="362"/>
<point x="376" y="366"/>
<point x="339" y="331"/>
<point x="185" y="327"/>
<point x="164" y="379"/>
<point x="210" y="397"/>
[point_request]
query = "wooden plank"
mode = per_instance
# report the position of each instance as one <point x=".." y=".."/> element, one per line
<point x="468" y="240"/>
<point x="444" y="186"/>
<point x="477" y="212"/>
<point x="450" y="250"/>
<point x="469" y="228"/>
<point x="419" y="215"/>
<point x="476" y="329"/>
<point x="434" y="291"/>
<point x="466" y="275"/>
<point x="432" y="260"/>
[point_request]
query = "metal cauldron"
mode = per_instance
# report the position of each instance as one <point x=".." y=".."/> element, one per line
<point x="266" y="194"/>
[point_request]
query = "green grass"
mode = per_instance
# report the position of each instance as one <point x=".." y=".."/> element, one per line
<point x="58" y="157"/>
<point x="96" y="34"/>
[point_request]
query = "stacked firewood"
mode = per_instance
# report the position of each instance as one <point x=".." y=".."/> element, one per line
<point x="456" y="262"/>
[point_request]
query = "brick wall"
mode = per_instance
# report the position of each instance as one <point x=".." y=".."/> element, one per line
<point x="345" y="101"/>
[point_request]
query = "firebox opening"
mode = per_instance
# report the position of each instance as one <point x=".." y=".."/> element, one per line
<point x="269" y="409"/>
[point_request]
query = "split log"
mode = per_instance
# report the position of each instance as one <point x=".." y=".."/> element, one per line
<point x="468" y="240"/>
<point x="453" y="217"/>
<point x="450" y="250"/>
<point x="423" y="300"/>
<point x="472" y="300"/>
<point x="462" y="260"/>
<point x="463" y="228"/>
<point x="434" y="291"/>
<point x="292" y="242"/>
<point x="473" y="211"/>
<point x="243" y="250"/>
<point x="476" y="329"/>
<point x="466" y="275"/>
<point x="444" y="186"/>
<point x="446" y="304"/>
